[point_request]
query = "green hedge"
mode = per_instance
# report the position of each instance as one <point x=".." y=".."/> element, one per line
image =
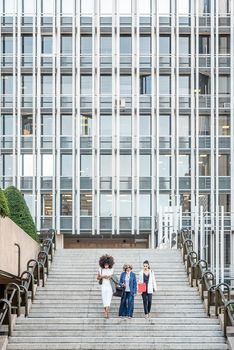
<point x="19" y="212"/>
<point x="4" y="209"/>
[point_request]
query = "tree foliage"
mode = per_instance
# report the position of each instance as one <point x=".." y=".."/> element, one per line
<point x="4" y="209"/>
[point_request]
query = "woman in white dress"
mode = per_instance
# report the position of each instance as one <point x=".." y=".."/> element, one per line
<point x="105" y="274"/>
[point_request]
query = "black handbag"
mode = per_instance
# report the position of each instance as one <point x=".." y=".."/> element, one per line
<point x="100" y="281"/>
<point x="118" y="292"/>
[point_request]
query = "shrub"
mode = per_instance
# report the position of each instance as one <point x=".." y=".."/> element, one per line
<point x="19" y="212"/>
<point x="4" y="209"/>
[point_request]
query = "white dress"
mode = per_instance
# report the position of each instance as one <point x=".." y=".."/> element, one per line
<point x="107" y="292"/>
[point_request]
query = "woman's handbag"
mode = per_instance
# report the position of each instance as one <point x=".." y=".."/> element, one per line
<point x="118" y="292"/>
<point x="141" y="287"/>
<point x="100" y="281"/>
<point x="117" y="289"/>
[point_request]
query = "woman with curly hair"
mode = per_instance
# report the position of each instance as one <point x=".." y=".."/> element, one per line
<point x="104" y="277"/>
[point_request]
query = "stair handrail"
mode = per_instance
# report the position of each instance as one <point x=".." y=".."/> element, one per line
<point x="218" y="295"/>
<point x="17" y="292"/>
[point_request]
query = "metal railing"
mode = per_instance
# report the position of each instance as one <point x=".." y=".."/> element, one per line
<point x="18" y="292"/>
<point x="218" y="294"/>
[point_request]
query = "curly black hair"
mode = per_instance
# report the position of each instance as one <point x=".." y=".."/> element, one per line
<point x="106" y="260"/>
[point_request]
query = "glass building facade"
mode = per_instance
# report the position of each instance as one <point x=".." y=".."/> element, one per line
<point x="112" y="110"/>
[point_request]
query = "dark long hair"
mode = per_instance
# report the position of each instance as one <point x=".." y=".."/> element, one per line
<point x="106" y="260"/>
<point x="146" y="262"/>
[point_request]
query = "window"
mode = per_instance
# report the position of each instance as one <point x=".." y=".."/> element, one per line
<point x="125" y="125"/>
<point x="105" y="165"/>
<point x="47" y="7"/>
<point x="26" y="165"/>
<point x="66" y="125"/>
<point x="164" y="200"/>
<point x="47" y="165"/>
<point x="47" y="204"/>
<point x="86" y="45"/>
<point x="105" y="125"/>
<point x="225" y="201"/>
<point x="184" y="166"/>
<point x="184" y="85"/>
<point x="204" y="84"/>
<point x="164" y="125"/>
<point x="105" y="7"/>
<point x="125" y="205"/>
<point x="204" y="165"/>
<point x="164" y="44"/>
<point x="125" y="7"/>
<point x="184" y="45"/>
<point x="7" y="169"/>
<point x="125" y="45"/>
<point x="86" y="204"/>
<point x="66" y="45"/>
<point x="224" y="84"/>
<point x="224" y="7"/>
<point x="105" y="205"/>
<point x="46" y="45"/>
<point x="86" y="165"/>
<point x="85" y="125"/>
<point x="28" y="7"/>
<point x="165" y="165"/>
<point x="86" y="84"/>
<point x="66" y="165"/>
<point x="6" y="128"/>
<point x="125" y="165"/>
<point x="7" y="84"/>
<point x="145" y="125"/>
<point x="46" y="125"/>
<point x="144" y="7"/>
<point x="164" y="85"/>
<point x="66" y="84"/>
<point x="106" y="84"/>
<point x="105" y="45"/>
<point x="183" y="7"/>
<point x="46" y="84"/>
<point x="224" y="165"/>
<point x="145" y="45"/>
<point x="29" y="201"/>
<point x="184" y="126"/>
<point x="26" y="125"/>
<point x="224" y="125"/>
<point x="164" y="7"/>
<point x="125" y="85"/>
<point x="67" y="7"/>
<point x="224" y="44"/>
<point x="27" y="44"/>
<point x="145" y="84"/>
<point x="204" y="125"/>
<point x="204" y="44"/>
<point x="7" y="44"/>
<point x="204" y="6"/>
<point x="86" y="7"/>
<point x="8" y="7"/>
<point x="145" y="165"/>
<point x="26" y="84"/>
<point x="66" y="204"/>
<point x="145" y="205"/>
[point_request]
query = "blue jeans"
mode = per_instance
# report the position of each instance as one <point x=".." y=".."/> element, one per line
<point x="126" y="305"/>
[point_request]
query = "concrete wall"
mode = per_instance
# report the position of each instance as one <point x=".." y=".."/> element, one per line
<point x="10" y="234"/>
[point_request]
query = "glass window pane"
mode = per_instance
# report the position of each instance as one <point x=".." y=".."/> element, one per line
<point x="145" y="165"/>
<point x="7" y="44"/>
<point x="125" y="125"/>
<point x="164" y="125"/>
<point x="66" y="125"/>
<point x="47" y="84"/>
<point x="145" y="125"/>
<point x="7" y="84"/>
<point x="164" y="7"/>
<point x="106" y="84"/>
<point x="183" y="165"/>
<point x="66" y="84"/>
<point x="47" y="45"/>
<point x="125" y="45"/>
<point x="86" y="84"/>
<point x="125" y="205"/>
<point x="66" y="165"/>
<point x="105" y="205"/>
<point x="47" y="7"/>
<point x="204" y="125"/>
<point x="47" y="204"/>
<point x="105" y="45"/>
<point x="7" y="165"/>
<point x="125" y="85"/>
<point x="105" y="7"/>
<point x="67" y="7"/>
<point x="164" y="44"/>
<point x="87" y="7"/>
<point x="86" y="204"/>
<point x="125" y="7"/>
<point x="85" y="125"/>
<point x="224" y="125"/>
<point x="204" y="6"/>
<point x="224" y="165"/>
<point x="46" y="125"/>
<point x="224" y="84"/>
<point x="66" y="44"/>
<point x="27" y="44"/>
<point x="165" y="165"/>
<point x="144" y="7"/>
<point x="27" y="165"/>
<point x="47" y="165"/>
<point x="86" y="165"/>
<point x="86" y="45"/>
<point x="8" y="7"/>
<point x="164" y="85"/>
<point x="6" y="128"/>
<point x="28" y="6"/>
<point x="105" y="125"/>
<point x="183" y="6"/>
<point x="204" y="44"/>
<point x="224" y="44"/>
<point x="105" y="165"/>
<point x="184" y="45"/>
<point x="125" y="165"/>
<point x="184" y="85"/>
<point x="184" y="126"/>
<point x="66" y="204"/>
<point x="145" y="84"/>
<point x="204" y="165"/>
<point x="144" y="205"/>
<point x="145" y="45"/>
<point x="26" y="125"/>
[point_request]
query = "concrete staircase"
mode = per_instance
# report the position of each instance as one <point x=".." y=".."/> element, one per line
<point x="67" y="313"/>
